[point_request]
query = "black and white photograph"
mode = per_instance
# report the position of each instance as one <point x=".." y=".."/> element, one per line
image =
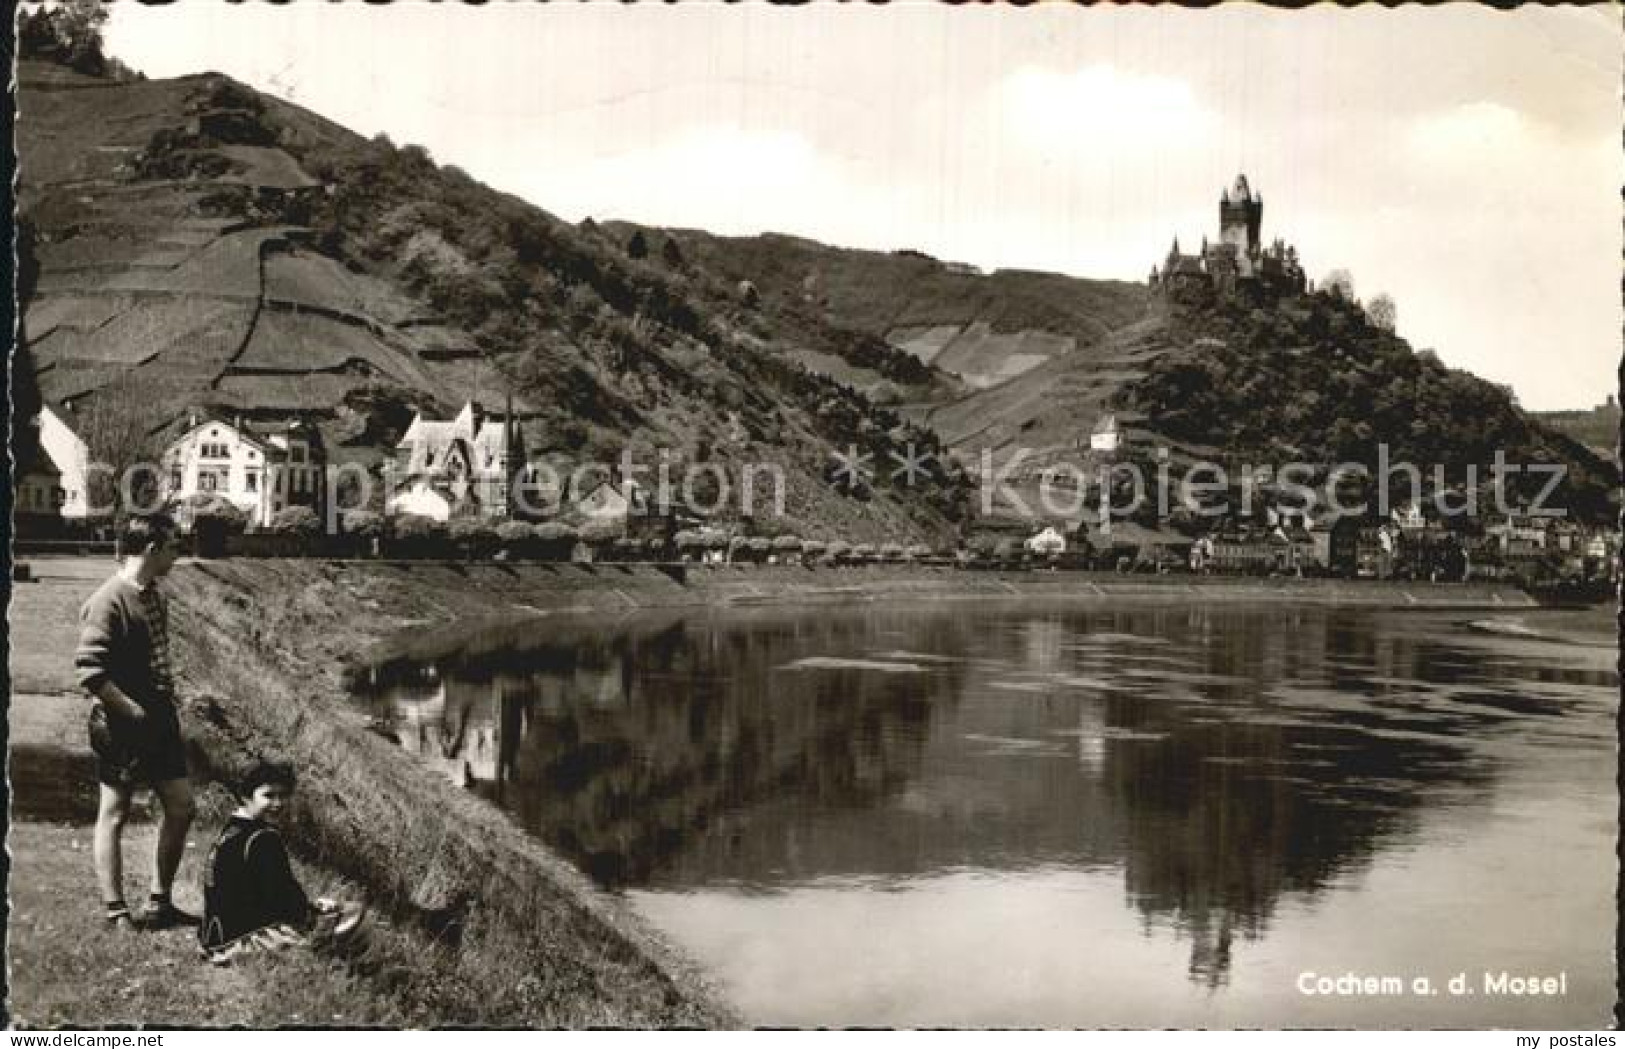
<point x="737" y="516"/>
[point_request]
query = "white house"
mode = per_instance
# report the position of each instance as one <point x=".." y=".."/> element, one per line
<point x="71" y="456"/>
<point x="609" y="501"/>
<point x="1047" y="543"/>
<point x="259" y="468"/>
<point x="440" y="465"/>
<point x="1409" y="517"/>
<point x="1518" y="535"/>
<point x="1106" y="436"/>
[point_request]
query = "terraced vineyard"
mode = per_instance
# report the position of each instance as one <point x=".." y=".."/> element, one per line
<point x="155" y="284"/>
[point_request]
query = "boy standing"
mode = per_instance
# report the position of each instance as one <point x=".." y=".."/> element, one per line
<point x="123" y="661"/>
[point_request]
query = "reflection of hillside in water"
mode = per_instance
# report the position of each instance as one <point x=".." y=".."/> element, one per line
<point x="622" y="749"/>
<point x="1222" y="759"/>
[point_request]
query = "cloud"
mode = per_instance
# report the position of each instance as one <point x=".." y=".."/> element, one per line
<point x="1466" y="134"/>
<point x="717" y="176"/>
<point x="1100" y="107"/>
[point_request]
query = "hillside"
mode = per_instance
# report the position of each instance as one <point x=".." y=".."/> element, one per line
<point x="191" y="242"/>
<point x="1597" y="428"/>
<point x="1301" y="379"/>
<point x="980" y="328"/>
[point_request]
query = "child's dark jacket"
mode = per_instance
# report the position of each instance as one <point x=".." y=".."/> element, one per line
<point x="248" y="884"/>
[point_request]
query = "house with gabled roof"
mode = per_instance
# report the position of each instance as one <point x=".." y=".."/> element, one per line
<point x="465" y="463"/>
<point x="261" y="468"/>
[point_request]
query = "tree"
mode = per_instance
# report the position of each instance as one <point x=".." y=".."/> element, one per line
<point x="638" y="246"/>
<point x="117" y="427"/>
<point x="1383" y="312"/>
<point x="672" y="253"/>
<point x="1339" y="282"/>
<point x="69" y="32"/>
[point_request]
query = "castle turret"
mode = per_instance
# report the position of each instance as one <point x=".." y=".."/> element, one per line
<point x="1241" y="214"/>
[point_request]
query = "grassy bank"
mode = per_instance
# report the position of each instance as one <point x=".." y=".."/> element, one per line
<point x="515" y="935"/>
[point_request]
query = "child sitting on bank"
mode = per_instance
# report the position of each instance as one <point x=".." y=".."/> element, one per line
<point x="251" y="899"/>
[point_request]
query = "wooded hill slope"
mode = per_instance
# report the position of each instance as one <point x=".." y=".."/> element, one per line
<point x="1271" y="381"/>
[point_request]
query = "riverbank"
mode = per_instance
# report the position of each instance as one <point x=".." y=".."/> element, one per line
<point x="491" y="927"/>
<point x="479" y="925"/>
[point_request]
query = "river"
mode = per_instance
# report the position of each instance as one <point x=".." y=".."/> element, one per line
<point x="1158" y="814"/>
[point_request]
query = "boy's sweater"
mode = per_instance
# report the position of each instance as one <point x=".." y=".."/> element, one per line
<point x="124" y="638"/>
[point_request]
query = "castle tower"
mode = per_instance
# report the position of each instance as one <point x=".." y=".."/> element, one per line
<point x="1241" y="214"/>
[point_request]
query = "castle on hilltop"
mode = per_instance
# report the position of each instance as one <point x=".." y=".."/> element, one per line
<point x="1239" y="261"/>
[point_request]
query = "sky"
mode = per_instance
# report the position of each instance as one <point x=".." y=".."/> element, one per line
<point x="1464" y="160"/>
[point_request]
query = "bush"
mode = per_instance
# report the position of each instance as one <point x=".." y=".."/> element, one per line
<point x="363" y="524"/>
<point x="555" y="541"/>
<point x="212" y="519"/>
<point x="296" y="520"/>
<point x="416" y="535"/>
<point x="200" y="506"/>
<point x="473" y="537"/>
<point x="787" y="544"/>
<point x="417" y="526"/>
<point x="517" y="538"/>
<point x="984" y="545"/>
<point x="602" y="532"/>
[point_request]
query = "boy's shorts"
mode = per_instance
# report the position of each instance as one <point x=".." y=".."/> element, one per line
<point x="126" y="756"/>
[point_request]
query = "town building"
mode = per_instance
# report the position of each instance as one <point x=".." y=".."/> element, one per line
<point x="468" y="464"/>
<point x="612" y="501"/>
<point x="260" y="468"/>
<point x="69" y="455"/>
<point x="1047" y="543"/>
<point x="37" y="496"/>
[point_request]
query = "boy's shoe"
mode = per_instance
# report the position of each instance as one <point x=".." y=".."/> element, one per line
<point x="350" y="919"/>
<point x="116" y="917"/>
<point x="165" y="915"/>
